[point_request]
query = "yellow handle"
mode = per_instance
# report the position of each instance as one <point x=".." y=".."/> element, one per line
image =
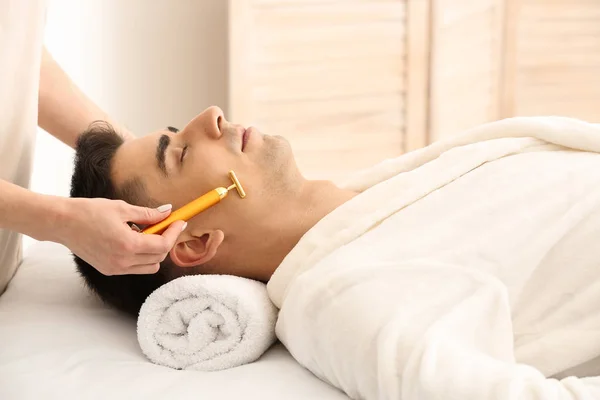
<point x="188" y="211"/>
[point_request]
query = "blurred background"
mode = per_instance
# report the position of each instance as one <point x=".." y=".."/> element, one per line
<point x="348" y="82"/>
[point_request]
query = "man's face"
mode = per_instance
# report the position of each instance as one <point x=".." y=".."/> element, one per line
<point x="177" y="167"/>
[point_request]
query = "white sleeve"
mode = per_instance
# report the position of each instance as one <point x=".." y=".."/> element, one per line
<point x="414" y="332"/>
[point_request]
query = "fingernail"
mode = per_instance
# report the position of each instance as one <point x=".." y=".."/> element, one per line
<point x="164" y="208"/>
<point x="183" y="227"/>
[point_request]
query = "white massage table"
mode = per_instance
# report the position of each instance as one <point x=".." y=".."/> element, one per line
<point x="59" y="342"/>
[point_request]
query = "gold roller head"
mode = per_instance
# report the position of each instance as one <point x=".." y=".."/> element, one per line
<point x="236" y="184"/>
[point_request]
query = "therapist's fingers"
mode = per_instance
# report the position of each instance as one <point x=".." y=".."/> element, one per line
<point x="147" y="259"/>
<point x="144" y="269"/>
<point x="96" y="230"/>
<point x="145" y="215"/>
<point x="159" y="244"/>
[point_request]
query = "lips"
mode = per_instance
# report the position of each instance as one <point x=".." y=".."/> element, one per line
<point x="245" y="137"/>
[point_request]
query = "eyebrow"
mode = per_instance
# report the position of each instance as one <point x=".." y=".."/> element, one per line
<point x="161" y="149"/>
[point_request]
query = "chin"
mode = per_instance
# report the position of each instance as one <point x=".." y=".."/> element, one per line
<point x="277" y="148"/>
<point x="279" y="160"/>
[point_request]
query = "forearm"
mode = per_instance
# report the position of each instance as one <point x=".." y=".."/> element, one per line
<point x="64" y="110"/>
<point x="30" y="213"/>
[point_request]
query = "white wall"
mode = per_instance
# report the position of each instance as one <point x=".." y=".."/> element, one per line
<point x="149" y="64"/>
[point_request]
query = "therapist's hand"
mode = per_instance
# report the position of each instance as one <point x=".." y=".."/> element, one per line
<point x="96" y="230"/>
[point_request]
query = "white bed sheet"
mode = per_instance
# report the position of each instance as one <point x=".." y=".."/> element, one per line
<point x="59" y="342"/>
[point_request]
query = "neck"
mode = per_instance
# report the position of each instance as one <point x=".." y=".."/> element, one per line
<point x="297" y="214"/>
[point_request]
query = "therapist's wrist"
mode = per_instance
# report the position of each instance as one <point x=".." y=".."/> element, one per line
<point x="38" y="215"/>
<point x="58" y="214"/>
<point x="71" y="216"/>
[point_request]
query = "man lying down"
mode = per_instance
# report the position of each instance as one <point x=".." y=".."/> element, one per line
<point x="469" y="269"/>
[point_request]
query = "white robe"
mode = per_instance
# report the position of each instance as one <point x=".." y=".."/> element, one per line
<point x="469" y="269"/>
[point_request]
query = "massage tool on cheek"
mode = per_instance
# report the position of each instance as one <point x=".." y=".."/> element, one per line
<point x="195" y="207"/>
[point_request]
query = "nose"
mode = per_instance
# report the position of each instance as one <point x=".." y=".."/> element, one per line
<point x="207" y="123"/>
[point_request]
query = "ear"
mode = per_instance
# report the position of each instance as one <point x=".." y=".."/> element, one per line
<point x="196" y="249"/>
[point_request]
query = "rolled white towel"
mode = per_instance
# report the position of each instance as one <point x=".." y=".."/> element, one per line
<point x="207" y="322"/>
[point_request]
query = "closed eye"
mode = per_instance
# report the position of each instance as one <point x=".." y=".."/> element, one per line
<point x="183" y="152"/>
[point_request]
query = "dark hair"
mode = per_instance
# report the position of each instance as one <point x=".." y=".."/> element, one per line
<point x="91" y="178"/>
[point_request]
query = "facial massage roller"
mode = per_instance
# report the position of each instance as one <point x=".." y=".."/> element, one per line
<point x="195" y="207"/>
